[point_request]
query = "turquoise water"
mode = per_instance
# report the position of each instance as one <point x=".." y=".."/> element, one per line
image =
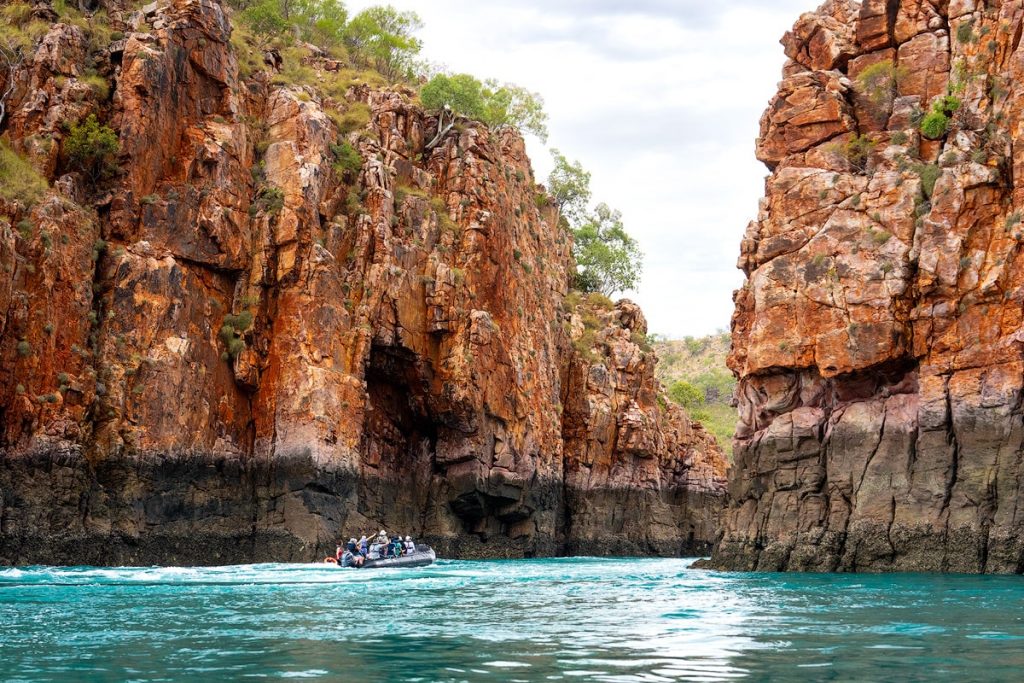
<point x="537" y="620"/>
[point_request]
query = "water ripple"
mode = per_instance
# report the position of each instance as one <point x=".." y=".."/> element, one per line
<point x="565" y="619"/>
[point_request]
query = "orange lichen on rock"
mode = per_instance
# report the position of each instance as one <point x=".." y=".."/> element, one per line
<point x="877" y="338"/>
<point x="235" y="351"/>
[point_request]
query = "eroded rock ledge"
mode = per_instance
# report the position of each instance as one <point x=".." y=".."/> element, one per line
<point x="878" y="335"/>
<point x="239" y="350"/>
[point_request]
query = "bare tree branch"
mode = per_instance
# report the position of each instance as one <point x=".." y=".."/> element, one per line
<point x="12" y="62"/>
<point x="442" y="130"/>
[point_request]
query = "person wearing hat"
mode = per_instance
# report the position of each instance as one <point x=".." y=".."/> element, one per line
<point x="410" y="547"/>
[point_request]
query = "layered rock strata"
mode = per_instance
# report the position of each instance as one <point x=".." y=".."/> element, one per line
<point x="878" y="337"/>
<point x="237" y="348"/>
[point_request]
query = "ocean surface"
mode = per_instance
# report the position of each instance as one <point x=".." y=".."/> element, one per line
<point x="536" y="620"/>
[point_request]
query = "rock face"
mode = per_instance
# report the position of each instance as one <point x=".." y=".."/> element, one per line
<point x="878" y="337"/>
<point x="237" y="349"/>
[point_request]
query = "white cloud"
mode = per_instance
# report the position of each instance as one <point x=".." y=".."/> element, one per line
<point x="660" y="100"/>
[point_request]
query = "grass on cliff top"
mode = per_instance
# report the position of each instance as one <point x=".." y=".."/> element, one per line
<point x="19" y="181"/>
<point x="588" y="307"/>
<point x="720" y="420"/>
<point x="18" y="30"/>
<point x="694" y="372"/>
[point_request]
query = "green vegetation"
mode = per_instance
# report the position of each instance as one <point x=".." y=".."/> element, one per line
<point x="929" y="174"/>
<point x="346" y="159"/>
<point x="1013" y="220"/>
<point x="232" y="330"/>
<point x="935" y="123"/>
<point x="382" y="38"/>
<point x="99" y="85"/>
<point x="569" y="184"/>
<point x="685" y="394"/>
<point x="497" y="105"/>
<point x="320" y="22"/>
<point x="90" y="147"/>
<point x="270" y="199"/>
<point x="589" y="307"/>
<point x="19" y="181"/>
<point x="693" y="369"/>
<point x="965" y="32"/>
<point x="379" y="38"/>
<point x="608" y="260"/>
<point x="355" y="116"/>
<point x="18" y="34"/>
<point x="880" y="84"/>
<point x="857" y="152"/>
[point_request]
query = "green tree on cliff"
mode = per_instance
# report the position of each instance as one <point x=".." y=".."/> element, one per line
<point x="569" y="184"/>
<point x="380" y="38"/>
<point x="90" y="147"/>
<point x="321" y="22"/>
<point x="266" y="19"/>
<point x="686" y="394"/>
<point x="608" y="260"/>
<point x="462" y="93"/>
<point x="383" y="38"/>
<point x="495" y="104"/>
<point x="507" y="105"/>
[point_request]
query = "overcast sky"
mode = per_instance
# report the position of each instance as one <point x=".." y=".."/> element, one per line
<point x="660" y="100"/>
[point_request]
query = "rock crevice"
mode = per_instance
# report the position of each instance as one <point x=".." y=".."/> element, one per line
<point x="877" y="336"/>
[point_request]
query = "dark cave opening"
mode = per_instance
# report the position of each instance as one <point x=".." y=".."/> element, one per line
<point x="400" y="428"/>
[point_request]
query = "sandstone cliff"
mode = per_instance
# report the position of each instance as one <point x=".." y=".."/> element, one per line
<point x="878" y="336"/>
<point x="237" y="348"/>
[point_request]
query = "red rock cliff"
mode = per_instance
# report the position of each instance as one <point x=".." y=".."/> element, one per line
<point x="878" y="338"/>
<point x="238" y="352"/>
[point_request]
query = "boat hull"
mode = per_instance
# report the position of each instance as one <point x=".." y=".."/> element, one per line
<point x="423" y="556"/>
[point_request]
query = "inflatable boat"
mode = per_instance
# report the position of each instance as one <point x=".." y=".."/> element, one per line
<point x="423" y="556"/>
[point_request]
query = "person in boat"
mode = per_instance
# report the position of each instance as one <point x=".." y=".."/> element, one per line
<point x="397" y="547"/>
<point x="410" y="547"/>
<point x="374" y="551"/>
<point x="352" y="549"/>
<point x="364" y="546"/>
